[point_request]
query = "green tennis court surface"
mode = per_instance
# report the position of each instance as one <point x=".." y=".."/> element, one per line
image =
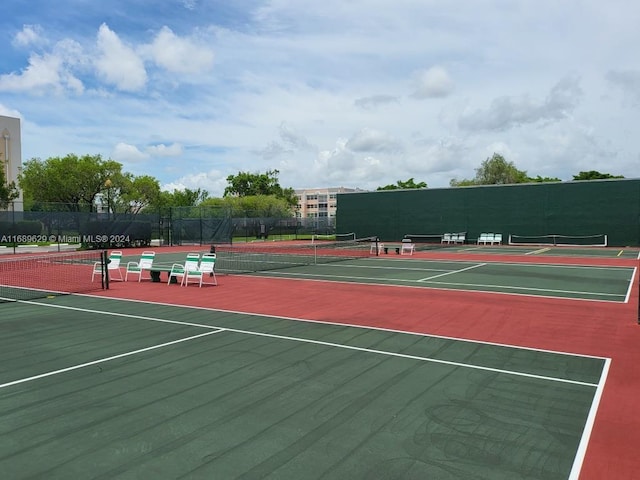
<point x="553" y="251"/>
<point x="100" y="388"/>
<point x="564" y="281"/>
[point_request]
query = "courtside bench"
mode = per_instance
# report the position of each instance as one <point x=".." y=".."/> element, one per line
<point x="407" y="247"/>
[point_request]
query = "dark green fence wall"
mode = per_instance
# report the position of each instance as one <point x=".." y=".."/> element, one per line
<point x="609" y="207"/>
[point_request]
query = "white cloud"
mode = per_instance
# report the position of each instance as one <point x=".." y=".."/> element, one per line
<point x="30" y="35"/>
<point x="42" y="74"/>
<point x="9" y="112"/>
<point x="627" y="81"/>
<point x="370" y="140"/>
<point x="294" y="139"/>
<point x="212" y="181"/>
<point x="374" y="101"/>
<point x="508" y="112"/>
<point x="189" y="4"/>
<point x="432" y="83"/>
<point x="179" y="55"/>
<point x="124" y="152"/>
<point x="117" y="63"/>
<point x="161" y="150"/>
<point x="273" y="150"/>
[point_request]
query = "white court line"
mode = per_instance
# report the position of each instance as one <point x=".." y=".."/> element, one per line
<point x="426" y="279"/>
<point x="416" y="357"/>
<point x="515" y="264"/>
<point x="535" y="252"/>
<point x="588" y="427"/>
<point x="340" y="324"/>
<point x="379" y="267"/>
<point x="283" y="337"/>
<point x="633" y="276"/>
<point x="533" y="289"/>
<point x="397" y="282"/>
<point x="107" y="359"/>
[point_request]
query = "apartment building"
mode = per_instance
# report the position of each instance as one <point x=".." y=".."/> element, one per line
<point x="10" y="151"/>
<point x="319" y="203"/>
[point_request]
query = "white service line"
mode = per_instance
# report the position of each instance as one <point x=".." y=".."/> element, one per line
<point x="107" y="359"/>
<point x="415" y="357"/>
<point x="451" y="272"/>
<point x="536" y="252"/>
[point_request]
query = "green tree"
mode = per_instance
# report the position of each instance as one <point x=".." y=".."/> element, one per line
<point x="540" y="179"/>
<point x="246" y="184"/>
<point x="494" y="171"/>
<point x="138" y="194"/>
<point x="8" y="190"/>
<point x="409" y="184"/>
<point x="182" y="198"/>
<point x="252" y="206"/>
<point x="72" y="181"/>
<point x="594" y="175"/>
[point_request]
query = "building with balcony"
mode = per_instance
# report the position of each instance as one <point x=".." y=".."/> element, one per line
<point x="319" y="203"/>
<point x="10" y="152"/>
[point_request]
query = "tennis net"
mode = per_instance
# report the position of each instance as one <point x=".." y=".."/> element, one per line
<point x="39" y="276"/>
<point x="599" y="240"/>
<point x="257" y="257"/>
<point x="336" y="237"/>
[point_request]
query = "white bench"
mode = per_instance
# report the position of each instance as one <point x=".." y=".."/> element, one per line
<point x="485" y="238"/>
<point x="454" y="237"/>
<point x="490" y="239"/>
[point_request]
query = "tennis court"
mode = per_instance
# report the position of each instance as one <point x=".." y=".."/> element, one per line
<point x="440" y="365"/>
<point x="101" y="388"/>
<point x="551" y="280"/>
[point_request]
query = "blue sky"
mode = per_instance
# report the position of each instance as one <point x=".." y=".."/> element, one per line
<point x="353" y="93"/>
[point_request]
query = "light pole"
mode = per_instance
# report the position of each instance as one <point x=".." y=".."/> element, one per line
<point x="108" y="184"/>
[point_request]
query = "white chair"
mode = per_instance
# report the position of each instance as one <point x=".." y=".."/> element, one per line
<point x="136" y="268"/>
<point x="497" y="239"/>
<point x="373" y="248"/>
<point x="191" y="267"/>
<point x="407" y="247"/>
<point x="460" y="238"/>
<point x="207" y="269"/>
<point x="113" y="267"/>
<point x="446" y="238"/>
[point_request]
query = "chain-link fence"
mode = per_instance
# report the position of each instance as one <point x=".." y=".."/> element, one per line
<point x="57" y="225"/>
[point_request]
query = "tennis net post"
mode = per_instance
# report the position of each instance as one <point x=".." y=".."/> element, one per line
<point x="104" y="268"/>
